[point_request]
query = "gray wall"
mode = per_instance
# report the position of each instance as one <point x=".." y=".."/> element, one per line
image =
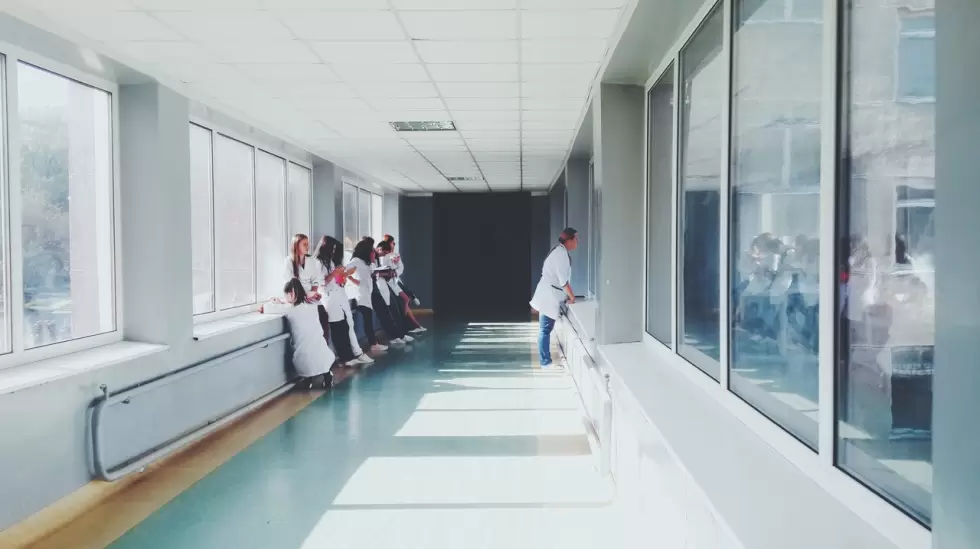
<point x="956" y="444"/>
<point x="327" y="201"/>
<point x="415" y="228"/>
<point x="557" y="199"/>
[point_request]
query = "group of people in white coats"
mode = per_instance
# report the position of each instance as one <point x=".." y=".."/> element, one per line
<point x="322" y="295"/>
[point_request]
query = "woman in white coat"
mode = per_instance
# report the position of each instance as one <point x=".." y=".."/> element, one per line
<point x="385" y="307"/>
<point x="363" y="287"/>
<point x="332" y="277"/>
<point x="312" y="357"/>
<point x="397" y="288"/>
<point x="553" y="290"/>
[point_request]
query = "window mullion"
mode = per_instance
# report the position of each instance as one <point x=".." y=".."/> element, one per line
<point x="15" y="264"/>
<point x="724" y="216"/>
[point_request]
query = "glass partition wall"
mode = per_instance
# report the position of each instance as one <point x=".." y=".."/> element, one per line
<point x="797" y="171"/>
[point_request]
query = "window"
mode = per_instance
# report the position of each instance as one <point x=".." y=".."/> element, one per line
<point x="377" y="219"/>
<point x="351" y="236"/>
<point x="702" y="71"/>
<point x="885" y="260"/>
<point x="66" y="208"/>
<point x="202" y="235"/>
<point x="775" y="213"/>
<point x="300" y="201"/>
<point x="364" y="214"/>
<point x="594" y="213"/>
<point x="916" y="57"/>
<point x="660" y="187"/>
<point x="234" y="223"/>
<point x="270" y="229"/>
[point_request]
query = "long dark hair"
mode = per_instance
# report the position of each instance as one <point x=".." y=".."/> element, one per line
<point x="295" y="287"/>
<point x="330" y="251"/>
<point x="363" y="251"/>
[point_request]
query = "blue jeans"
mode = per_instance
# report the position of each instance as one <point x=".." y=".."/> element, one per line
<point x="544" y="339"/>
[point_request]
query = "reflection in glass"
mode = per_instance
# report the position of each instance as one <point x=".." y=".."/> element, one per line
<point x="660" y="105"/>
<point x="364" y="215"/>
<point x="887" y="276"/>
<point x="270" y="229"/>
<point x="351" y="236"/>
<point x="775" y="215"/>
<point x="377" y="223"/>
<point x="234" y="233"/>
<point x="299" y="201"/>
<point x="66" y="207"/>
<point x="703" y="91"/>
<point x="202" y="251"/>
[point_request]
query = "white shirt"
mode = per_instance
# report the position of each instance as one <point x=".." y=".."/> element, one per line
<point x="333" y="297"/>
<point x="383" y="288"/>
<point x="362" y="292"/>
<point x="309" y="274"/>
<point x="555" y="274"/>
<point x="395" y="261"/>
<point x="311" y="354"/>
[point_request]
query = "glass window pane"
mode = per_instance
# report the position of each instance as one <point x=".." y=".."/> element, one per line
<point x="703" y="88"/>
<point x="300" y="201"/>
<point x="888" y="280"/>
<point x="594" y="212"/>
<point x="270" y="227"/>
<point x="660" y="207"/>
<point x="66" y="207"/>
<point x="234" y="227"/>
<point x="377" y="218"/>
<point x="775" y="214"/>
<point x="202" y="252"/>
<point x="364" y="215"/>
<point x="350" y="217"/>
<point x="4" y="298"/>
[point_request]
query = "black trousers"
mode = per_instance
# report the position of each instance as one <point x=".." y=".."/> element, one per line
<point x="368" y="317"/>
<point x="383" y="311"/>
<point x="341" y="340"/>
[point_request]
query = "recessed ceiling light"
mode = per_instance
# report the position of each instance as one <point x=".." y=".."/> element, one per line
<point x="424" y="126"/>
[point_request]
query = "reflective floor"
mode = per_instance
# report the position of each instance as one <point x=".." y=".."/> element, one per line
<point x="459" y="443"/>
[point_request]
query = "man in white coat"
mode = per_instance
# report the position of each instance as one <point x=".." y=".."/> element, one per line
<point x="553" y="290"/>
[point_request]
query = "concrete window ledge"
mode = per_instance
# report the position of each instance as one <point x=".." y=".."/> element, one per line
<point x="207" y="330"/>
<point x="49" y="370"/>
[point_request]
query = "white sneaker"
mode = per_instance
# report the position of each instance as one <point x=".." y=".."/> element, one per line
<point x="362" y="359"/>
<point x="419" y="330"/>
<point x="408" y="339"/>
<point x="379" y="348"/>
<point x="397" y="342"/>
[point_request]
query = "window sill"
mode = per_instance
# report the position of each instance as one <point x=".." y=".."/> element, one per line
<point x="45" y="371"/>
<point x="207" y="330"/>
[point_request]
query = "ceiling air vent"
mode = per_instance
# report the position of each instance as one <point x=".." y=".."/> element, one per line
<point x="424" y="126"/>
<point x="458" y="179"/>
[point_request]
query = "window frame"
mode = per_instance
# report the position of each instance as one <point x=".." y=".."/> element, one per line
<point x="358" y="190"/>
<point x="885" y="517"/>
<point x="216" y="130"/>
<point x="10" y="186"/>
<point x="903" y="14"/>
<point x="289" y="163"/>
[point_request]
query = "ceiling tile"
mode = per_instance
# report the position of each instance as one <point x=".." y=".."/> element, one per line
<point x="553" y="115"/>
<point x="365" y="52"/>
<point x="219" y="26"/>
<point x="559" y="72"/>
<point x="473" y="116"/>
<point x="571" y="4"/>
<point x="479" y="89"/>
<point x="289" y="73"/>
<point x="496" y="156"/>
<point x="482" y="104"/>
<point x="468" y="52"/>
<point x="188" y="5"/>
<point x="529" y="135"/>
<point x="563" y="51"/>
<point x="202" y="71"/>
<point x="342" y="25"/>
<point x="392" y="72"/>
<point x="571" y="124"/>
<point x="116" y="26"/>
<point x="532" y="104"/>
<point x="324" y="92"/>
<point x="157" y="52"/>
<point x="484" y="72"/>
<point x="556" y="90"/>
<point x="73" y="5"/>
<point x="359" y="5"/>
<point x="489" y="134"/>
<point x="414" y="115"/>
<point x="568" y="24"/>
<point x="487" y="125"/>
<point x="396" y="89"/>
<point x="345" y="106"/>
<point x="260" y="51"/>
<point x="461" y="25"/>
<point x="407" y="104"/>
<point x="453" y="4"/>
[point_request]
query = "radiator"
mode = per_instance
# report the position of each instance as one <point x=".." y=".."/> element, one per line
<point x="137" y="425"/>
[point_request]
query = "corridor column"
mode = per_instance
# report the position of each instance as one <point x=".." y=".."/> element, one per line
<point x="617" y="112"/>
<point x="956" y="429"/>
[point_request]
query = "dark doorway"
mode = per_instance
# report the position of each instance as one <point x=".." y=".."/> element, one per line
<point x="482" y="256"/>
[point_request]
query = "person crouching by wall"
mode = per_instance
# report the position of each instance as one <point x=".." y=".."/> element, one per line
<point x="312" y="357"/>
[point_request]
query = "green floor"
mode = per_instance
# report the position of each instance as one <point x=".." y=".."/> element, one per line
<point x="458" y="443"/>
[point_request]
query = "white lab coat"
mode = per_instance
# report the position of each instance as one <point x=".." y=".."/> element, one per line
<point x="362" y="292"/>
<point x="309" y="274"/>
<point x="395" y="261"/>
<point x="383" y="289"/>
<point x="556" y="272"/>
<point x="311" y="354"/>
<point x="332" y="294"/>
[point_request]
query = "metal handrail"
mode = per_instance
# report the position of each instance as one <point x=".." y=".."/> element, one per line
<point x="124" y="395"/>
